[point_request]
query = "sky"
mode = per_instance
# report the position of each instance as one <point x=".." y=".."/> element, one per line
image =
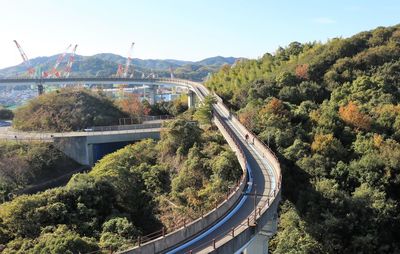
<point x="181" y="29"/>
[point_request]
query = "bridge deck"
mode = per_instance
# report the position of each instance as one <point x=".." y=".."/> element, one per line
<point x="260" y="170"/>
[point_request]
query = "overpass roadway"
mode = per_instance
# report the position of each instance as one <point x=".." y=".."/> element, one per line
<point x="242" y="223"/>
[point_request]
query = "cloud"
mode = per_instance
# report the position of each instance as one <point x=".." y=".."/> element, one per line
<point x="324" y="20"/>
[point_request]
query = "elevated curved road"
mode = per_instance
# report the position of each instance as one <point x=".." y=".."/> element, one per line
<point x="247" y="218"/>
<point x="262" y="185"/>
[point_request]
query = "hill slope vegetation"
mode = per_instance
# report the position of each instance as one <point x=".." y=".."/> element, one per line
<point x="129" y="193"/>
<point x="331" y="111"/>
<point x="67" y="110"/>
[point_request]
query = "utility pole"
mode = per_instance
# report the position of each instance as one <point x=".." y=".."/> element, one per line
<point x="255" y="200"/>
<point x="255" y="203"/>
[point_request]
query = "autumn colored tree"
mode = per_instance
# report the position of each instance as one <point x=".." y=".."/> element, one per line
<point x="302" y="71"/>
<point x="327" y="144"/>
<point x="247" y="118"/>
<point x="351" y="115"/>
<point x="275" y="106"/>
<point x="132" y="105"/>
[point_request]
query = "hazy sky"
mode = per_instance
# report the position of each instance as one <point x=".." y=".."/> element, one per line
<point x="181" y="29"/>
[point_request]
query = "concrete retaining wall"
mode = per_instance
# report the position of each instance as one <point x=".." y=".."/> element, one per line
<point x="80" y="148"/>
<point x="74" y="147"/>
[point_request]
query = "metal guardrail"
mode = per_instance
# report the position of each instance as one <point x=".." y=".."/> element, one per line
<point x="124" y="127"/>
<point x="142" y="119"/>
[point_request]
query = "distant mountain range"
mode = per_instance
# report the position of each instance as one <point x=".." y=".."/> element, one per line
<point x="106" y="64"/>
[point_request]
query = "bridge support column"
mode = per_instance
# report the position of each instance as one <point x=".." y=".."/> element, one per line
<point x="40" y="88"/>
<point x="191" y="99"/>
<point x="258" y="245"/>
<point x="152" y="95"/>
<point x="89" y="152"/>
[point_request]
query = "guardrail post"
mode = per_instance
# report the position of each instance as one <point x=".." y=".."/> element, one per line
<point x="214" y="244"/>
<point x="259" y="211"/>
<point x="248" y="221"/>
<point x="233" y="232"/>
<point x="163" y="232"/>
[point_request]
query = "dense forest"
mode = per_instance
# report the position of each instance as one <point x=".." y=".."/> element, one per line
<point x="129" y="193"/>
<point x="331" y="112"/>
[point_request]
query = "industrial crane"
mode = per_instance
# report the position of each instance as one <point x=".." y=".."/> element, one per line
<point x="71" y="59"/>
<point x="31" y="70"/>
<point x="128" y="61"/>
<point x="171" y="72"/>
<point x="53" y="72"/>
<point x="120" y="71"/>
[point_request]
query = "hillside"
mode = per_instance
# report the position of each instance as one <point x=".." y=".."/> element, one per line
<point x="24" y="165"/>
<point x="331" y="113"/>
<point x="106" y="64"/>
<point x="66" y="110"/>
<point x="129" y="193"/>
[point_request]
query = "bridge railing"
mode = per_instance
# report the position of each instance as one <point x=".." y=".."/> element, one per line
<point x="259" y="144"/>
<point x="95" y="129"/>
<point x="142" y="119"/>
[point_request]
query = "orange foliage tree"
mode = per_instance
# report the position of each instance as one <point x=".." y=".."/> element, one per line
<point x="302" y="71"/>
<point x="351" y="115"/>
<point x="248" y="118"/>
<point x="132" y="105"/>
<point x="275" y="106"/>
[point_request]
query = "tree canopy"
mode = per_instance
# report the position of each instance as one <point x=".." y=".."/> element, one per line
<point x="331" y="113"/>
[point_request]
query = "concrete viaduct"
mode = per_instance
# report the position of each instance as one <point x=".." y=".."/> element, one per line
<point x="246" y="219"/>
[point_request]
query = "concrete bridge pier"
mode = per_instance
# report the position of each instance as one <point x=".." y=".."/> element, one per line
<point x="259" y="243"/>
<point x="191" y="99"/>
<point x="152" y="94"/>
<point x="40" y="88"/>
